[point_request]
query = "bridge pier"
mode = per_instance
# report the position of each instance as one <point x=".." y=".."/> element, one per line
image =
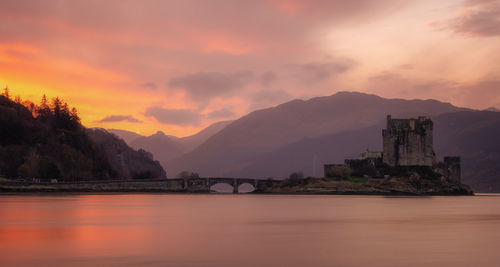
<point x="235" y="186"/>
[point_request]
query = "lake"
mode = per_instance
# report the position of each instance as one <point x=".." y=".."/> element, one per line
<point x="248" y="230"/>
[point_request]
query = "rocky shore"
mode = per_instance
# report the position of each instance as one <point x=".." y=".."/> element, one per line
<point x="368" y="186"/>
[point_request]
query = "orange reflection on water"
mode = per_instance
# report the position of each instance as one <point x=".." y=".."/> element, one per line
<point x="248" y="230"/>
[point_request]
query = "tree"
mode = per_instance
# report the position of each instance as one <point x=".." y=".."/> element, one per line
<point x="57" y="107"/>
<point x="30" y="106"/>
<point x="48" y="170"/>
<point x="6" y="92"/>
<point x="339" y="171"/>
<point x="296" y="176"/>
<point x="44" y="103"/>
<point x="188" y="175"/>
<point x="74" y="115"/>
<point x="43" y="110"/>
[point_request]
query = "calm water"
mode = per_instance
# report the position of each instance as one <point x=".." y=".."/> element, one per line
<point x="248" y="230"/>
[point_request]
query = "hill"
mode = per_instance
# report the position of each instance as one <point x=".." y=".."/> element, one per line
<point x="127" y="136"/>
<point x="473" y="135"/>
<point x="164" y="147"/>
<point x="267" y="130"/>
<point x="167" y="147"/>
<point x="48" y="142"/>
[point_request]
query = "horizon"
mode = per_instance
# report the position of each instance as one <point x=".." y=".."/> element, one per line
<point x="200" y="130"/>
<point x="166" y="66"/>
<point x="231" y="120"/>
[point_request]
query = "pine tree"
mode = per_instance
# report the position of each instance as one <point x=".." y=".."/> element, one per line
<point x="74" y="115"/>
<point x="56" y="107"/>
<point x="30" y="106"/>
<point x="6" y="92"/>
<point x="43" y="110"/>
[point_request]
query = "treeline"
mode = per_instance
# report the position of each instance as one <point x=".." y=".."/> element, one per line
<point x="47" y="141"/>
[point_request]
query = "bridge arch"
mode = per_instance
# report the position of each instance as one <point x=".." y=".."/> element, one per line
<point x="246" y="187"/>
<point x="221" y="187"/>
<point x="221" y="184"/>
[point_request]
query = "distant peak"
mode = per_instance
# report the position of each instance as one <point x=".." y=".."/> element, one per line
<point x="159" y="133"/>
<point x="492" y="109"/>
<point x="352" y="93"/>
<point x="347" y="93"/>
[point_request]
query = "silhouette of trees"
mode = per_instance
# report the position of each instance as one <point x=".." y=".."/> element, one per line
<point x="188" y="175"/>
<point x="294" y="179"/>
<point x="47" y="141"/>
<point x="6" y="92"/>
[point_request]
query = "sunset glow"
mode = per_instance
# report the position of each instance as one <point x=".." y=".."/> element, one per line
<point x="178" y="66"/>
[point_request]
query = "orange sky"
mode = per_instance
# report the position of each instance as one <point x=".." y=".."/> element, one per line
<point x="178" y="66"/>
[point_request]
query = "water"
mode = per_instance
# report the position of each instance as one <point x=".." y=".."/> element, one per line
<point x="248" y="230"/>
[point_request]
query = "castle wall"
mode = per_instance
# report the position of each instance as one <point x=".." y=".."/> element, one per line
<point x="408" y="142"/>
<point x="452" y="165"/>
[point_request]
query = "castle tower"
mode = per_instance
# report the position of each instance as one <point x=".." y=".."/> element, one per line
<point x="408" y="142"/>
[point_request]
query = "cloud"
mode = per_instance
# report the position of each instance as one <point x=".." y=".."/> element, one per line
<point x="480" y="94"/>
<point x="482" y="18"/>
<point x="182" y="117"/>
<point x="267" y="78"/>
<point x="478" y="2"/>
<point x="390" y="83"/>
<point x="202" y="49"/>
<point x="221" y="114"/>
<point x="118" y="118"/>
<point x="318" y="71"/>
<point x="149" y="85"/>
<point x="266" y="98"/>
<point x="203" y="86"/>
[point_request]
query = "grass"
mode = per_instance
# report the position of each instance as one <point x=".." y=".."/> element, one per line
<point x="4" y="180"/>
<point x="356" y="179"/>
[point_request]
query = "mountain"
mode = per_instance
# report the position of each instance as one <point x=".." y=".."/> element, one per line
<point x="167" y="147"/>
<point x="492" y="109"/>
<point x="189" y="143"/>
<point x="127" y="136"/>
<point x="472" y="135"/>
<point x="266" y="130"/>
<point x="308" y="155"/>
<point x="475" y="137"/>
<point x="125" y="162"/>
<point x="162" y="146"/>
<point x="48" y="142"/>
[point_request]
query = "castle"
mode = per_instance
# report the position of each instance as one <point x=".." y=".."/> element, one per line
<point x="407" y="143"/>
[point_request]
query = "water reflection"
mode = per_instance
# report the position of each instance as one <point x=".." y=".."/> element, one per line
<point x="248" y="230"/>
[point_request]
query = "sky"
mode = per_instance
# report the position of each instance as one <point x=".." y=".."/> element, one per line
<point x="178" y="66"/>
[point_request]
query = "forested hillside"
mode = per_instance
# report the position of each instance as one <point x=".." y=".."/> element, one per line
<point x="47" y="141"/>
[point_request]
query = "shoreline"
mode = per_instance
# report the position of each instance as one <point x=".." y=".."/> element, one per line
<point x="401" y="186"/>
<point x="17" y="193"/>
<point x="28" y="191"/>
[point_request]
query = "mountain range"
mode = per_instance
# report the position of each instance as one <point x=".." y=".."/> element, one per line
<point x="167" y="147"/>
<point x="302" y="135"/>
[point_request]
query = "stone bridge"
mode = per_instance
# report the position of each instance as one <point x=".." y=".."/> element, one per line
<point x="203" y="185"/>
<point x="191" y="185"/>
